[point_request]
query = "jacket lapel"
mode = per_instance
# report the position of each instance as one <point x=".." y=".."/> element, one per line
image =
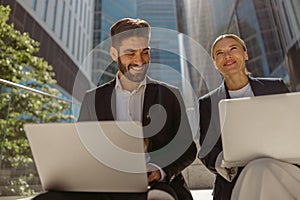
<point x="150" y="98"/>
<point x="110" y="108"/>
<point x="257" y="87"/>
<point x="223" y="92"/>
<point x="109" y="104"/>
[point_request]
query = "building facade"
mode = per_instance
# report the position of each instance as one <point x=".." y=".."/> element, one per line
<point x="198" y="25"/>
<point x="266" y="26"/>
<point x="287" y="18"/>
<point x="165" y="58"/>
<point x="106" y="13"/>
<point x="63" y="28"/>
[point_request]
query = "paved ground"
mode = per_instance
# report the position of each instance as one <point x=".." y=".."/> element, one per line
<point x="202" y="194"/>
<point x="197" y="194"/>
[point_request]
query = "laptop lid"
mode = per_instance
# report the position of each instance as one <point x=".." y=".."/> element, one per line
<point x="103" y="156"/>
<point x="262" y="126"/>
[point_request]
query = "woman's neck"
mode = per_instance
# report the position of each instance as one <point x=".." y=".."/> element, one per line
<point x="236" y="82"/>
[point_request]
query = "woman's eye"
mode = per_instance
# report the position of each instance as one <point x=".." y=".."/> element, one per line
<point x="218" y="53"/>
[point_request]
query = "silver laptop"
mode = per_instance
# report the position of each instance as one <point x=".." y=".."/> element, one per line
<point x="257" y="127"/>
<point x="89" y="156"/>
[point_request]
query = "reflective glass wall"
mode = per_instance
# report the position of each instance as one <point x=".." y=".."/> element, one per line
<point x="270" y="29"/>
<point x="107" y="12"/>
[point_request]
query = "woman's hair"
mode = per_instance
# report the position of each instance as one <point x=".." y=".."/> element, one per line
<point x="228" y="35"/>
<point x="128" y="27"/>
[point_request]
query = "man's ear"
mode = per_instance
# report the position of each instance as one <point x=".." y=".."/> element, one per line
<point x="114" y="54"/>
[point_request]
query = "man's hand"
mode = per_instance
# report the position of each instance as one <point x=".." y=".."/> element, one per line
<point x="153" y="174"/>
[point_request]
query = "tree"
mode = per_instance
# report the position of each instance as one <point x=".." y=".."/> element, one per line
<point x="19" y="64"/>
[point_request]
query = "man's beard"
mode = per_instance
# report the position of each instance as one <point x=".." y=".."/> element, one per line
<point x="139" y="77"/>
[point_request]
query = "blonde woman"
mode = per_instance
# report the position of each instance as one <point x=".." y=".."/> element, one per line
<point x="261" y="178"/>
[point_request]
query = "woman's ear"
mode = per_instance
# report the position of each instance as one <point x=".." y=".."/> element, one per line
<point x="114" y="54"/>
<point x="215" y="65"/>
<point x="246" y="55"/>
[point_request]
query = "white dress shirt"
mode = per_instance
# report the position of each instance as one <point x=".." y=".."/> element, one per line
<point x="129" y="107"/>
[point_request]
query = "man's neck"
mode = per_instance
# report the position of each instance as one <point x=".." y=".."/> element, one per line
<point x="127" y="84"/>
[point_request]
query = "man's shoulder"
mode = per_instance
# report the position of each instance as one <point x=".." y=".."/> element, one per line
<point x="160" y="84"/>
<point x="108" y="86"/>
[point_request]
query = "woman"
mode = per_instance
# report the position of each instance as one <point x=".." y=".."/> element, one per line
<point x="229" y="54"/>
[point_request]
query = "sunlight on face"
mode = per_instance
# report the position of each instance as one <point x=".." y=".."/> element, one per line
<point x="134" y="58"/>
<point x="229" y="57"/>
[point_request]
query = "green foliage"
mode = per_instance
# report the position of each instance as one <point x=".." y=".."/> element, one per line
<point x="19" y="64"/>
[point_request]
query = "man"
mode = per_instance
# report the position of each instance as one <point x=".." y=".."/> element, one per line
<point x="132" y="96"/>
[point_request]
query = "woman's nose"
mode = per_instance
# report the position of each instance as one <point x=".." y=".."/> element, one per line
<point x="227" y="54"/>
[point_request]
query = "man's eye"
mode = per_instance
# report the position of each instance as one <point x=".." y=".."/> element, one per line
<point x="233" y="48"/>
<point x="129" y="54"/>
<point x="146" y="52"/>
<point x="218" y="53"/>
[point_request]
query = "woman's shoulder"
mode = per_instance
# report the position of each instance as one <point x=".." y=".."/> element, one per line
<point x="266" y="79"/>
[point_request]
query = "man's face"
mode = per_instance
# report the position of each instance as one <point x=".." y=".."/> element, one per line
<point x="133" y="58"/>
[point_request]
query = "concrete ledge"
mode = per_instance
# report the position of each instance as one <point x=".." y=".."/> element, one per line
<point x="198" y="176"/>
<point x="10" y="198"/>
<point x="197" y="194"/>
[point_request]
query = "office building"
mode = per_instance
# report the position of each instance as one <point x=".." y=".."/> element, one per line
<point x="198" y="26"/>
<point x="63" y="28"/>
<point x="165" y="58"/>
<point x="287" y="19"/>
<point x="106" y="13"/>
<point x="264" y="25"/>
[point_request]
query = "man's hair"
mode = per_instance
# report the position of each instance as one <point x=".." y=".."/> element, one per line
<point x="128" y="27"/>
<point x="228" y="35"/>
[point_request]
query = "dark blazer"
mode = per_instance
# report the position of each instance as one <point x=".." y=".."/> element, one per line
<point x="210" y="140"/>
<point x="100" y="104"/>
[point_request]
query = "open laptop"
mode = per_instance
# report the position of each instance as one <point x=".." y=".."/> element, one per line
<point x="262" y="126"/>
<point x="89" y="156"/>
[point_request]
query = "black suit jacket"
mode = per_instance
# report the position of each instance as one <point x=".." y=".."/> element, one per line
<point x="172" y="146"/>
<point x="210" y="140"/>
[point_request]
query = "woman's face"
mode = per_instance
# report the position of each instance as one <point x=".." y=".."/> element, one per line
<point x="229" y="57"/>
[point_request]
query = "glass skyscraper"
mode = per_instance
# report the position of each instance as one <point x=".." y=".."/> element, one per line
<point x="162" y="16"/>
<point x="255" y="21"/>
<point x="107" y="12"/>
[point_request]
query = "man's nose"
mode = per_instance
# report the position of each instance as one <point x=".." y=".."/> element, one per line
<point x="139" y="60"/>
